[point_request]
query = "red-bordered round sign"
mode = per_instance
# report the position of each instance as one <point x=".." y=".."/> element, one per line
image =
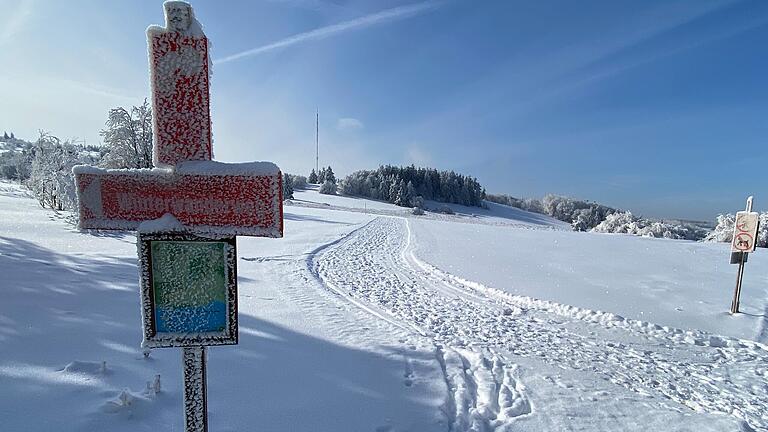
<point x="743" y="241"/>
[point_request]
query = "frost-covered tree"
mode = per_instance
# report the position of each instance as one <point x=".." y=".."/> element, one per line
<point x="418" y="202"/>
<point x="312" y="177"/>
<point x="723" y="231"/>
<point x="762" y="231"/>
<point x="329" y="175"/>
<point x="410" y="194"/>
<point x="328" y="188"/>
<point x="6" y="136"/>
<point x="287" y="187"/>
<point x="128" y="137"/>
<point x="321" y="176"/>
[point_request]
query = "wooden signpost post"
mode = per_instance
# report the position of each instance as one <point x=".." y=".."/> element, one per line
<point x="187" y="211"/>
<point x="744" y="241"/>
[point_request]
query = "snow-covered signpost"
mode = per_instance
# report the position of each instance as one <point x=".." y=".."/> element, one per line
<point x="187" y="211"/>
<point x="744" y="241"/>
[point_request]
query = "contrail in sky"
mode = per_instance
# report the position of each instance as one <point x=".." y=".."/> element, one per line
<point x="396" y="13"/>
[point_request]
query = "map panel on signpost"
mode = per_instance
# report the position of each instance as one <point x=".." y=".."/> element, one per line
<point x="189" y="283"/>
<point x="189" y="289"/>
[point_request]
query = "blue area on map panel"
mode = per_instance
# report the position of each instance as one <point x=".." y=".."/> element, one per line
<point x="192" y="319"/>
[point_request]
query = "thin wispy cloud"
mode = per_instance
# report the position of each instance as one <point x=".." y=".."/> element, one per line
<point x="393" y="14"/>
<point x="349" y="124"/>
<point x="15" y="21"/>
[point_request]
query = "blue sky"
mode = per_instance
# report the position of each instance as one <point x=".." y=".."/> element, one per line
<point x="660" y="107"/>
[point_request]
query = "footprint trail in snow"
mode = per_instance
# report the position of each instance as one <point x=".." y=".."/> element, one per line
<point x="477" y="332"/>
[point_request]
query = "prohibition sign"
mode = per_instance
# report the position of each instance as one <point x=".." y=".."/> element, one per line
<point x="743" y="241"/>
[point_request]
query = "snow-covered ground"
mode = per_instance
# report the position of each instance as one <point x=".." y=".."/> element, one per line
<point x="311" y="196"/>
<point x="682" y="284"/>
<point x="362" y="320"/>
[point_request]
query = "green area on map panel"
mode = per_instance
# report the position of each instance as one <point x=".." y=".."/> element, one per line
<point x="189" y="281"/>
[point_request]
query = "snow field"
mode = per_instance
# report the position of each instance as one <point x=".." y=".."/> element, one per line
<point x="374" y="266"/>
<point x="307" y="361"/>
<point x="672" y="284"/>
<point x="363" y="323"/>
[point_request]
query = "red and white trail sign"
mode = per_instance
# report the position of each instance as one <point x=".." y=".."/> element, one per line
<point x="211" y="200"/>
<point x="178" y="75"/>
<point x="213" y="197"/>
<point x="207" y="196"/>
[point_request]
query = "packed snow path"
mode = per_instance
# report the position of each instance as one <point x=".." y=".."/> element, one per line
<point x="479" y="333"/>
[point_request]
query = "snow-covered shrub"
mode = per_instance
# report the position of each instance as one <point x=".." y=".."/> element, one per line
<point x="51" y="179"/>
<point x="298" y="181"/>
<point x="328" y="188"/>
<point x="446" y="210"/>
<point x="723" y="231"/>
<point x="418" y="211"/>
<point x="627" y="223"/>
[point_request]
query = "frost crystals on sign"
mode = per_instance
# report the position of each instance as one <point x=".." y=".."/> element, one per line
<point x="189" y="283"/>
<point x="188" y="289"/>
<point x="178" y="68"/>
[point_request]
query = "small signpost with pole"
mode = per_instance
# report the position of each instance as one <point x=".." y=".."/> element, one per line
<point x="744" y="241"/>
<point x="187" y="211"/>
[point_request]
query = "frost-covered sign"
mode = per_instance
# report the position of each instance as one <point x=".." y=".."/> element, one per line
<point x="745" y="232"/>
<point x="187" y="210"/>
<point x="178" y="73"/>
<point x="188" y="289"/>
<point x="208" y="196"/>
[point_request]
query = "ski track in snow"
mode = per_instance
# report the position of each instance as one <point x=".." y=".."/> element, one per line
<point x="477" y="331"/>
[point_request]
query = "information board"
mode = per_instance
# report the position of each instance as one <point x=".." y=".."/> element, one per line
<point x="189" y="290"/>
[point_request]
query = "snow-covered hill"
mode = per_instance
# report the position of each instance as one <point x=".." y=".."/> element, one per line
<point x="367" y="318"/>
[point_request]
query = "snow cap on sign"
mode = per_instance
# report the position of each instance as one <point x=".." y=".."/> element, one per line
<point x="166" y="223"/>
<point x="223" y="168"/>
<point x="179" y="17"/>
<point x="87" y="169"/>
<point x="191" y="168"/>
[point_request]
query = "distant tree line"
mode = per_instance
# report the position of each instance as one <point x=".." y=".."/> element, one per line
<point x="409" y="186"/>
<point x="591" y="216"/>
<point x="627" y="223"/>
<point x="582" y="215"/>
